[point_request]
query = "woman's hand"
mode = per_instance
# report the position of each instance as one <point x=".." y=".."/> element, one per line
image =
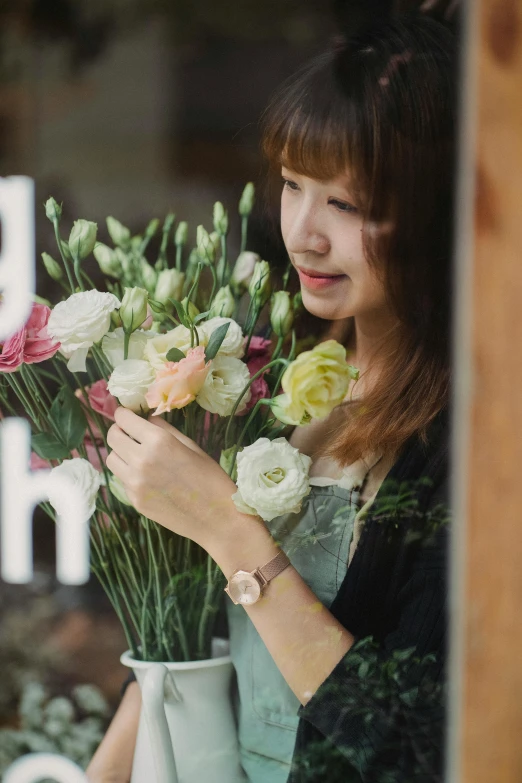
<point x="169" y="479"/>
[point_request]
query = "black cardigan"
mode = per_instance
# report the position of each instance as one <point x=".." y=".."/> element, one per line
<point x="379" y="717"/>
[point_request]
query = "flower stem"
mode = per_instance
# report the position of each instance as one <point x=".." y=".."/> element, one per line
<point x="244" y="231"/>
<point x="245" y="389"/>
<point x="62" y="254"/>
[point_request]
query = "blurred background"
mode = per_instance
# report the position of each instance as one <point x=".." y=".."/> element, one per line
<point x="130" y="108"/>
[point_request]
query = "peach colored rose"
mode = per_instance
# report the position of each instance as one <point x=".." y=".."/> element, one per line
<point x="178" y="382"/>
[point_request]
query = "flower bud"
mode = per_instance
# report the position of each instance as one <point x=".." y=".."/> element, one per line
<point x="281" y="313"/>
<point x="225" y="460"/>
<point x="297" y="302"/>
<point x="152" y="228"/>
<point x="180" y="238"/>
<point x="224" y="303"/>
<point x="216" y="242"/>
<point x="243" y="271"/>
<point x="52" y="267"/>
<point x="149" y="275"/>
<point x="117" y="488"/>
<point x="107" y="260"/>
<point x="169" y="285"/>
<point x="82" y="239"/>
<point x="115" y="319"/>
<point x="119" y="233"/>
<point x="133" y="310"/>
<point x="220" y="219"/>
<point x="246" y="201"/>
<point x="53" y="210"/>
<point x="205" y="246"/>
<point x="190" y="308"/>
<point x="259" y="287"/>
<point x="124" y="261"/>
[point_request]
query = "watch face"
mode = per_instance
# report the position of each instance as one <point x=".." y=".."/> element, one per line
<point x="244" y="588"/>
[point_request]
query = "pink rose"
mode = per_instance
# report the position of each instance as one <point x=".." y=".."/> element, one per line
<point x="12" y="354"/>
<point x="101" y="401"/>
<point x="259" y="354"/>
<point x="178" y="382"/>
<point x="30" y="344"/>
<point x="38" y="345"/>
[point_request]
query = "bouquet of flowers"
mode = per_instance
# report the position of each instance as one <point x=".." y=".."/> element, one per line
<point x="167" y="339"/>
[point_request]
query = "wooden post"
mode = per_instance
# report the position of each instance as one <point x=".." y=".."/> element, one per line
<point x="485" y="720"/>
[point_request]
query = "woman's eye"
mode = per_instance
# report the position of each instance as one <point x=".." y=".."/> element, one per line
<point x="289" y="184"/>
<point x="342" y="206"/>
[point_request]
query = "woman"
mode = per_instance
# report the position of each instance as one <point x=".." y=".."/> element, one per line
<point x="341" y="663"/>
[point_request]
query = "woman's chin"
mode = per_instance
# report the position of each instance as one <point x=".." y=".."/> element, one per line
<point x="328" y="311"/>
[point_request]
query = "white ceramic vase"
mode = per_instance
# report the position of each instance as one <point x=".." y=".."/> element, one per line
<point x="187" y="731"/>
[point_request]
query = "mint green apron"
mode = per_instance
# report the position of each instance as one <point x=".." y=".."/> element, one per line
<point x="317" y="541"/>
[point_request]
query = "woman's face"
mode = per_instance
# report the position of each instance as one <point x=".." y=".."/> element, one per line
<point x="322" y="231"/>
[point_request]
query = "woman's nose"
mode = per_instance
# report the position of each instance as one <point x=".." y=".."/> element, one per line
<point x="304" y="233"/>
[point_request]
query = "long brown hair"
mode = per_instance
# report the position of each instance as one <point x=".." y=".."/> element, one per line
<point x="382" y="106"/>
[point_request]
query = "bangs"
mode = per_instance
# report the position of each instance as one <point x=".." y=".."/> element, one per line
<point x="311" y="128"/>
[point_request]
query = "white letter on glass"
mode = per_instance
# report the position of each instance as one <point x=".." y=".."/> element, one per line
<point x="20" y="491"/>
<point x="34" y="767"/>
<point x="17" y="277"/>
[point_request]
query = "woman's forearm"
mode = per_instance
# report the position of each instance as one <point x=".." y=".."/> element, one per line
<point x="112" y="762"/>
<point x="303" y="637"/>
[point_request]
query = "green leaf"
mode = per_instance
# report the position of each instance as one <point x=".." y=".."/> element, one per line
<point x="180" y="310"/>
<point x="216" y="338"/>
<point x="67" y="414"/>
<point x="200" y="317"/>
<point x="48" y="446"/>
<point x="175" y="355"/>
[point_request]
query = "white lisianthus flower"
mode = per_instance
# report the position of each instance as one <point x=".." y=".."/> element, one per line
<point x="130" y="382"/>
<point x="233" y="344"/>
<point x="224" y="383"/>
<point x="112" y="345"/>
<point x="156" y="349"/>
<point x="79" y="322"/>
<point x="272" y="478"/>
<point x="80" y="473"/>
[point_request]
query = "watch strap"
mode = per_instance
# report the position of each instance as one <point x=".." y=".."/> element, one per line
<point x="273" y="567"/>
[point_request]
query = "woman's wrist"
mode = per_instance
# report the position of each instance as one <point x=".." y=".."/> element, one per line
<point x="248" y="545"/>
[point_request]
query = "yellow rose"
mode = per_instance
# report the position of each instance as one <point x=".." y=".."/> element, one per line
<point x="316" y="382"/>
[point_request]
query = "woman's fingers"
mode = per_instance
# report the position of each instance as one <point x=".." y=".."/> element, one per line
<point x="125" y="447"/>
<point x="117" y="466"/>
<point x="157" y="421"/>
<point x="132" y="424"/>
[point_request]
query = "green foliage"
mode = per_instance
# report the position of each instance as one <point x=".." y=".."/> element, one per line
<point x="67" y="414"/>
<point x="400" y="699"/>
<point x="72" y="727"/>
<point x="175" y="355"/>
<point x="47" y="446"/>
<point x="216" y="338"/>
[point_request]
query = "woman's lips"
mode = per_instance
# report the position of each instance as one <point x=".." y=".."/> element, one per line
<point x="318" y="282"/>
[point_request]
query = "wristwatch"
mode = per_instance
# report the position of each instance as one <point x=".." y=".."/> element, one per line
<point x="245" y="587"/>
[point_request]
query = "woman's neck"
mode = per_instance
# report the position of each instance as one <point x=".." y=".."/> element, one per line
<point x="366" y="345"/>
